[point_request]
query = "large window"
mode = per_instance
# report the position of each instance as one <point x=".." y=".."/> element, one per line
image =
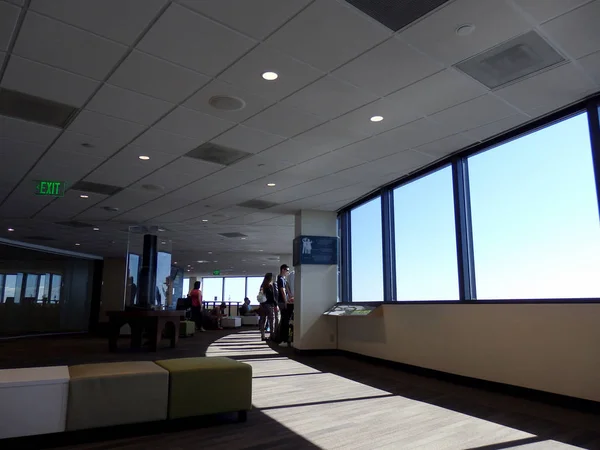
<point x="426" y="265"/>
<point x="212" y="289"/>
<point x="535" y="216"/>
<point x="367" y="252"/>
<point x="235" y="289"/>
<point x="186" y="287"/>
<point x="252" y="288"/>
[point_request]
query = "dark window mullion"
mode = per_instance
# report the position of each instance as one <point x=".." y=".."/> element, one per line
<point x="464" y="232"/>
<point x="345" y="257"/>
<point x="594" y="126"/>
<point x="389" y="258"/>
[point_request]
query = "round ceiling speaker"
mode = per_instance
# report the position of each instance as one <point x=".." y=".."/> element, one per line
<point x="226" y="103"/>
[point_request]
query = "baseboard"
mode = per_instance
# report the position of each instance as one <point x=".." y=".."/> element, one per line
<point x="319" y="352"/>
<point x="565" y="401"/>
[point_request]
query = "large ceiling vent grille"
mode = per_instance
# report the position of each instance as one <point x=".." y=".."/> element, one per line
<point x="34" y="109"/>
<point x="96" y="188"/>
<point x="396" y="14"/>
<point x="217" y="154"/>
<point x="257" y="204"/>
<point x="511" y="61"/>
<point x="74" y="224"/>
<point x="233" y="235"/>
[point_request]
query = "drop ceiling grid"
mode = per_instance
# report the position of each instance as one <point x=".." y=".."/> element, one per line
<point x="499" y="120"/>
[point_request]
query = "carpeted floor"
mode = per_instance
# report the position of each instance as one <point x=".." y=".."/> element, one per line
<point x="329" y="402"/>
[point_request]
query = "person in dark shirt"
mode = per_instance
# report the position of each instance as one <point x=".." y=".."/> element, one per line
<point x="285" y="304"/>
<point x="245" y="308"/>
<point x="266" y="308"/>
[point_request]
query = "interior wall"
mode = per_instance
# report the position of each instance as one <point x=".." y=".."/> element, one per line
<point x="113" y="287"/>
<point x="548" y="347"/>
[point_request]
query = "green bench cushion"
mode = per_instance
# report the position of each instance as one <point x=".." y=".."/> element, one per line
<point x="207" y="385"/>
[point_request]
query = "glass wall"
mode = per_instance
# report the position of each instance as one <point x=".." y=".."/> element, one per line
<point x="535" y="216"/>
<point x="186" y="287"/>
<point x="252" y="288"/>
<point x="367" y="252"/>
<point x="212" y="289"/>
<point x="529" y="224"/>
<point x="235" y="289"/>
<point x="425" y="238"/>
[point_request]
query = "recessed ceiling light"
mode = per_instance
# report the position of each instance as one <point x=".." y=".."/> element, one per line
<point x="215" y="261"/>
<point x="175" y="262"/>
<point x="271" y="184"/>
<point x="144" y="157"/>
<point x="96" y="229"/>
<point x="204" y="220"/>
<point x="270" y="76"/>
<point x="163" y="242"/>
<point x="210" y="253"/>
<point x="84" y="196"/>
<point x="264" y="264"/>
<point x="243" y="239"/>
<point x="465" y="29"/>
<point x="77" y="244"/>
<point x="11" y="230"/>
<point x="376" y="118"/>
<point x="261" y="250"/>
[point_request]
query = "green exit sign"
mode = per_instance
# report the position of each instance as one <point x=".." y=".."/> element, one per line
<point x="216" y="272"/>
<point x="50" y="188"/>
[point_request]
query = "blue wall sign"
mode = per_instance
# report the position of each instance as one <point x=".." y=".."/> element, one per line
<point x="315" y="250"/>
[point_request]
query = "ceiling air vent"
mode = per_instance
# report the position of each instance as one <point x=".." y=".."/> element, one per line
<point x="34" y="109"/>
<point x="257" y="204"/>
<point x="508" y="62"/>
<point x="396" y="14"/>
<point x="233" y="235"/>
<point x="96" y="188"/>
<point x="217" y="154"/>
<point x="74" y="224"/>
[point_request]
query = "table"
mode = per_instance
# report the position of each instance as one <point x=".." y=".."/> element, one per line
<point x="154" y="322"/>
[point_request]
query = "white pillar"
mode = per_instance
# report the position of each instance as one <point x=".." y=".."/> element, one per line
<point x="315" y="288"/>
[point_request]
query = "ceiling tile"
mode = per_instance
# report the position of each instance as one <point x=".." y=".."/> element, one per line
<point x="2" y="56"/>
<point x="247" y="73"/>
<point x="577" y="32"/>
<point x="405" y="162"/>
<point x="492" y="129"/>
<point x="8" y="20"/>
<point x="162" y="141"/>
<point x="113" y="19"/>
<point x="99" y="147"/>
<point x="24" y="131"/>
<point x="68" y="206"/>
<point x="394" y="114"/>
<point x="263" y="163"/>
<point x="200" y="101"/>
<point x="436" y="35"/>
<point x="100" y="125"/>
<point x="247" y="139"/>
<point x="128" y="199"/>
<point x="290" y="152"/>
<point x="311" y="37"/>
<point x="193" y="124"/>
<point x="157" y="78"/>
<point x="47" y="82"/>
<point x="388" y="67"/>
<point x="474" y="113"/>
<point x="549" y="90"/>
<point x="329" y="136"/>
<point x="23" y="202"/>
<point x="548" y="9"/>
<point x="446" y="146"/>
<point x="324" y="165"/>
<point x="189" y="39"/>
<point x="250" y="17"/>
<point x="22" y="156"/>
<point x="329" y="98"/>
<point x="591" y="64"/>
<point x="124" y="104"/>
<point x="66" y="47"/>
<point x="438" y="92"/>
<point x="178" y="173"/>
<point x="284" y="120"/>
<point x="64" y="166"/>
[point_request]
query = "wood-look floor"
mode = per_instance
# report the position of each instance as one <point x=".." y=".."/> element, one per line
<point x="334" y="402"/>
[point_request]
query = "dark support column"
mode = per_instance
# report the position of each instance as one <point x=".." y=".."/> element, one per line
<point x="345" y="260"/>
<point x="96" y="295"/>
<point x="464" y="233"/>
<point x="147" y="281"/>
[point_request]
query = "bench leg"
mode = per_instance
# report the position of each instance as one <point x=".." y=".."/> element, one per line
<point x="242" y="416"/>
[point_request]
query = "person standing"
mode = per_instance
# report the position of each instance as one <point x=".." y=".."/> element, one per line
<point x="266" y="308"/>
<point x="286" y="305"/>
<point x="196" y="296"/>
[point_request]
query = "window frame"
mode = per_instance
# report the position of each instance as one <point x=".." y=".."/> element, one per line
<point x="462" y="211"/>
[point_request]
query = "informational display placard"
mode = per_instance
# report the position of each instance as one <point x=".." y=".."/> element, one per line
<point x="350" y="310"/>
<point x="315" y="250"/>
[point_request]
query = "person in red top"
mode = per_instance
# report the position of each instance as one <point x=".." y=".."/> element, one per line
<point x="196" y="296"/>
